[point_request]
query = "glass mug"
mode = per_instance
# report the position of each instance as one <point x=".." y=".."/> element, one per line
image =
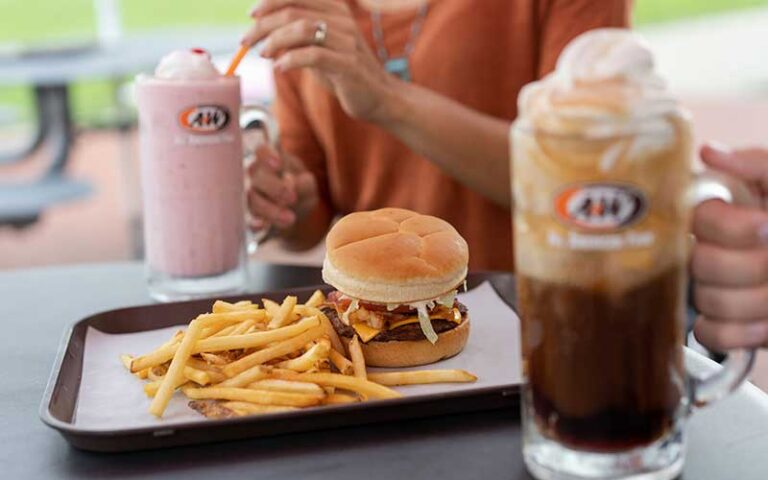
<point x="259" y="127"/>
<point x="194" y="138"/>
<point x="601" y="247"/>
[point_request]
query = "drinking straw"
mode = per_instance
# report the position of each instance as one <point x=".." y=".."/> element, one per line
<point x="236" y="60"/>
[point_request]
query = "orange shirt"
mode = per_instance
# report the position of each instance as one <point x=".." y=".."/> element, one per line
<point x="477" y="52"/>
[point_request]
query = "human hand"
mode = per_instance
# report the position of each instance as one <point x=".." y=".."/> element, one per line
<point x="730" y="258"/>
<point x="343" y="62"/>
<point x="280" y="190"/>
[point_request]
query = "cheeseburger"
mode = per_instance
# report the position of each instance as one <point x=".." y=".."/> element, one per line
<point x="396" y="275"/>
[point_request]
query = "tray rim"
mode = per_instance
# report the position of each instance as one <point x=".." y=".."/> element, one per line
<point x="70" y="428"/>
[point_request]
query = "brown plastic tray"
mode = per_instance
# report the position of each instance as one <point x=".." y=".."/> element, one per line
<point x="60" y="399"/>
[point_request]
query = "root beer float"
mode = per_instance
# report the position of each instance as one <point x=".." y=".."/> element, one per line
<point x="602" y="157"/>
<point x="601" y="171"/>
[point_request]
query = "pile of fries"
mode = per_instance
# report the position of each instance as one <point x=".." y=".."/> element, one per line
<point x="243" y="360"/>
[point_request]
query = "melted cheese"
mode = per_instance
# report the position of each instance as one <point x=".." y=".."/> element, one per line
<point x="405" y="321"/>
<point x="365" y="332"/>
<point x="455" y="318"/>
<point x="422" y="308"/>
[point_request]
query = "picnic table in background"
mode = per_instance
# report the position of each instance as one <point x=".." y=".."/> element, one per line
<point x="50" y="72"/>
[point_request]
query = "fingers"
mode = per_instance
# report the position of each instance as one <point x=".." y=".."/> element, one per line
<point x="264" y="26"/>
<point x="722" y="336"/>
<point x="293" y="163"/>
<point x="314" y="57"/>
<point x="301" y="33"/>
<point x="265" y="176"/>
<point x="748" y="164"/>
<point x="736" y="305"/>
<point x="269" y="212"/>
<point x="730" y="260"/>
<point x="714" y="265"/>
<point x="256" y="224"/>
<point x="267" y="154"/>
<point x="730" y="226"/>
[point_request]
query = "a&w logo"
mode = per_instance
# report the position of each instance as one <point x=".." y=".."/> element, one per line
<point x="600" y="206"/>
<point x="204" y="118"/>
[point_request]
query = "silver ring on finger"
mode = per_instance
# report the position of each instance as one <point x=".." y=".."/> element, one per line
<point x="321" y="33"/>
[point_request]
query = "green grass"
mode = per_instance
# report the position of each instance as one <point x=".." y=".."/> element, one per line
<point x="653" y="11"/>
<point x="49" y="21"/>
<point x="29" y="21"/>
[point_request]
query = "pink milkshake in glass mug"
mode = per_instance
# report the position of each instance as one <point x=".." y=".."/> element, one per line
<point x="192" y="177"/>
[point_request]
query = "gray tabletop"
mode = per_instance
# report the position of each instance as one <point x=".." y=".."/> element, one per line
<point x="729" y="441"/>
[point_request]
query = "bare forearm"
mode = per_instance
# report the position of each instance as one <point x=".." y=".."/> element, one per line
<point x="468" y="145"/>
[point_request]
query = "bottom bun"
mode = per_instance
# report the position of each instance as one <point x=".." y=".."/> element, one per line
<point x="416" y="352"/>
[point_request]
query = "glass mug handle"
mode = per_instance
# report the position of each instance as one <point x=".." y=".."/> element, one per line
<point x="738" y="362"/>
<point x="257" y="125"/>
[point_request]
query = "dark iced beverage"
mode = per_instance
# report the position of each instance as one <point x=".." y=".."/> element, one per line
<point x="605" y="370"/>
<point x="602" y="183"/>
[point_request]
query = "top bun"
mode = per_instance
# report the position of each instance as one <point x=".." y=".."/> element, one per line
<point x="394" y="255"/>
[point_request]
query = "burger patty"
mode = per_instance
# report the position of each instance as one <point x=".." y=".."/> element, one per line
<point x="411" y="331"/>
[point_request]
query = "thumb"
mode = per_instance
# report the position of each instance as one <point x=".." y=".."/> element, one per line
<point x="748" y="164"/>
<point x="293" y="163"/>
<point x="268" y="155"/>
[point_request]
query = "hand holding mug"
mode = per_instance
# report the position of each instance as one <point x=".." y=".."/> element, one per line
<point x="280" y="189"/>
<point x="730" y="258"/>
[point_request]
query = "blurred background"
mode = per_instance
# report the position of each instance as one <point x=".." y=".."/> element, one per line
<point x="68" y="175"/>
<point x="69" y="191"/>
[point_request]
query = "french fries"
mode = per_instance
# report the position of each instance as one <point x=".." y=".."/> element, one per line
<point x="317" y="299"/>
<point x="218" y="331"/>
<point x="307" y="311"/>
<point x="220" y="306"/>
<point x="232" y="342"/>
<point x="213" y="359"/>
<point x="246" y="377"/>
<point x="241" y="360"/>
<point x="284" y="314"/>
<point x="342" y="364"/>
<point x="247" y="408"/>
<point x="261" y="397"/>
<point x="271" y="307"/>
<point x="358" y="361"/>
<point x="345" y="382"/>
<point x="176" y="369"/>
<point x="275" y="385"/>
<point x="339" y="398"/>
<point x="422" y="377"/>
<point x="281" y="348"/>
<point x="308" y="359"/>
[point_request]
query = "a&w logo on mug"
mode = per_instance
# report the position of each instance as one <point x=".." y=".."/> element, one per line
<point x="204" y="118"/>
<point x="600" y="206"/>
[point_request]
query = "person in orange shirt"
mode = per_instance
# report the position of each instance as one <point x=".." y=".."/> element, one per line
<point x="409" y="108"/>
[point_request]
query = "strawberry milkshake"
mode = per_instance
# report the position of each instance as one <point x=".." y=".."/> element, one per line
<point x="192" y="178"/>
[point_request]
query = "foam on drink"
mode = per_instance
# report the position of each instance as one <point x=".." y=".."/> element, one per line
<point x="604" y="89"/>
<point x="193" y="64"/>
<point x="604" y="84"/>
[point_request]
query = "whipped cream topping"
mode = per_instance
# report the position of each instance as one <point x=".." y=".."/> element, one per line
<point x="194" y="64"/>
<point x="604" y="84"/>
